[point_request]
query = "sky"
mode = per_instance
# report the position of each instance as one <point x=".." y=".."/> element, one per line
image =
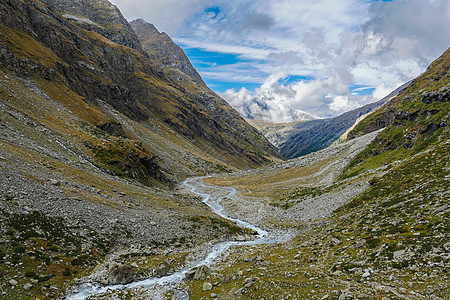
<point x="287" y="60"/>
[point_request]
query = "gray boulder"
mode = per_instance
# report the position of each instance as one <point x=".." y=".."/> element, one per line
<point x="120" y="274"/>
<point x="162" y="270"/>
<point x="199" y="273"/>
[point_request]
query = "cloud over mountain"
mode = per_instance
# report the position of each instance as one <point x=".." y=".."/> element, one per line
<point x="343" y="53"/>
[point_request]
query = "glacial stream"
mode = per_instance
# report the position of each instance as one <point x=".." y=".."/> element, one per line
<point x="198" y="188"/>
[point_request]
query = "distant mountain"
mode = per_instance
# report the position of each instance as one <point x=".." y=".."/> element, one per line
<point x="300" y="138"/>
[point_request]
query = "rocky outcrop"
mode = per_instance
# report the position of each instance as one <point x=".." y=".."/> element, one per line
<point x="164" y="53"/>
<point x="113" y="128"/>
<point x="199" y="273"/>
<point x="100" y="16"/>
<point x="162" y="269"/>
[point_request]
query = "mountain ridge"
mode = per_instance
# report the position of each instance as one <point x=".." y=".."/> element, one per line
<point x="300" y="138"/>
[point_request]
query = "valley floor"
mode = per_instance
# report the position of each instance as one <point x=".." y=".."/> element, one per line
<point x="337" y="248"/>
<point x="325" y="257"/>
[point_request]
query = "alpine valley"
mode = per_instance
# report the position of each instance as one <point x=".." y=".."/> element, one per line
<point x="123" y="176"/>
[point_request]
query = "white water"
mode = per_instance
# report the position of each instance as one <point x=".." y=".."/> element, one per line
<point x="213" y="253"/>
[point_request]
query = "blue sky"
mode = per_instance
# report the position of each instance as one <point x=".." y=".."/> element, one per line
<point x="284" y="60"/>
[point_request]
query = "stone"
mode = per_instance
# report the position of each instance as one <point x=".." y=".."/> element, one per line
<point x="334" y="241"/>
<point x="120" y="274"/>
<point x="162" y="269"/>
<point x="207" y="286"/>
<point x="240" y="238"/>
<point x="248" y="282"/>
<point x="240" y="291"/>
<point x="365" y="275"/>
<point x="27" y="286"/>
<point x="12" y="282"/>
<point x="199" y="273"/>
<point x="213" y="295"/>
<point x="55" y="182"/>
<point x="325" y="297"/>
<point x="190" y="274"/>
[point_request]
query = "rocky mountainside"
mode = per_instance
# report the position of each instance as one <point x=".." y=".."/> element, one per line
<point x="87" y="48"/>
<point x="300" y="138"/>
<point x="100" y="16"/>
<point x="165" y="54"/>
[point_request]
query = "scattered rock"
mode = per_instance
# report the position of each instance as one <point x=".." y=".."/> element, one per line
<point x="334" y="241"/>
<point x="120" y="274"/>
<point x="207" y="286"/>
<point x="27" y="286"/>
<point x="240" y="238"/>
<point x="12" y="282"/>
<point x="248" y="282"/>
<point x="55" y="182"/>
<point x="213" y="295"/>
<point x="365" y="275"/>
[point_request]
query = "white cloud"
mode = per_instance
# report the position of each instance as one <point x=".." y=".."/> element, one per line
<point x="167" y="15"/>
<point x="339" y="43"/>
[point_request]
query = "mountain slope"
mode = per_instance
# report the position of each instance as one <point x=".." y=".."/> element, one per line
<point x="93" y="139"/>
<point x="67" y="53"/>
<point x="301" y="138"/>
<point x="165" y="54"/>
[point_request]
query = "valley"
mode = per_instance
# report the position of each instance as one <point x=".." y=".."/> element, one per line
<point x="124" y="176"/>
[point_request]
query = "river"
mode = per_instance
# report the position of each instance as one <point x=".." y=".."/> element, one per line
<point x="214" y="202"/>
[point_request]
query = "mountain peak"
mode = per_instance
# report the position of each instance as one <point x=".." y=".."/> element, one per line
<point x="100" y="16"/>
<point x="165" y="53"/>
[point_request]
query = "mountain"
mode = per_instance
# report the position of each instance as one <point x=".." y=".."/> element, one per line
<point x="94" y="137"/>
<point x="415" y="120"/>
<point x="86" y="50"/>
<point x="300" y="138"/>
